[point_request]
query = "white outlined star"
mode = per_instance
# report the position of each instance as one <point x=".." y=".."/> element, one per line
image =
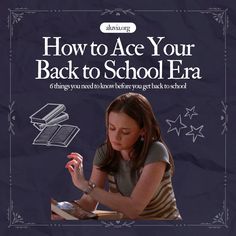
<point x="191" y="112"/>
<point x="176" y="125"/>
<point x="195" y="132"/>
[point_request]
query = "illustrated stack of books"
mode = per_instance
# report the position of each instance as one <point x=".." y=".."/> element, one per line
<point x="47" y="120"/>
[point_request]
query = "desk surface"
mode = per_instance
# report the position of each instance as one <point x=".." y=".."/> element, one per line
<point x="108" y="215"/>
<point x="101" y="214"/>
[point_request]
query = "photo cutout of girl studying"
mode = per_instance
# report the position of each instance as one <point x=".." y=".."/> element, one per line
<point x="134" y="160"/>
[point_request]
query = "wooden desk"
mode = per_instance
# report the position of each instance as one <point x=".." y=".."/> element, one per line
<point x="101" y="214"/>
<point x="108" y="215"/>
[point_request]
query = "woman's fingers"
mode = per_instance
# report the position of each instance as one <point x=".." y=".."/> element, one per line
<point x="70" y="169"/>
<point x="75" y="168"/>
<point x="75" y="155"/>
<point x="73" y="162"/>
<point x="77" y="158"/>
<point x="74" y="165"/>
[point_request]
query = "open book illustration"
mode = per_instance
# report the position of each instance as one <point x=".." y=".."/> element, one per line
<point x="56" y="135"/>
<point x="47" y="120"/>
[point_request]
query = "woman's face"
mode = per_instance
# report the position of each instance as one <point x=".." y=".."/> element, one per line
<point x="123" y="131"/>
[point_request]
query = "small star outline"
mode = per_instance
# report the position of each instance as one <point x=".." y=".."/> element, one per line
<point x="196" y="132"/>
<point x="176" y="125"/>
<point x="190" y="112"/>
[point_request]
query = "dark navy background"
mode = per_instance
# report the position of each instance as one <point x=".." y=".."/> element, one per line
<point x="34" y="174"/>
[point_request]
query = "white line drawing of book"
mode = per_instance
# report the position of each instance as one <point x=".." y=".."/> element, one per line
<point x="59" y="119"/>
<point x="48" y="112"/>
<point x="56" y="135"/>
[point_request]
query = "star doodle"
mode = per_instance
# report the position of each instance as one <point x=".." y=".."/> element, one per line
<point x="176" y="125"/>
<point x="196" y="132"/>
<point x="190" y="112"/>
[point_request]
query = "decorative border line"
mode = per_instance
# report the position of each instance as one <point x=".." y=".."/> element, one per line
<point x="16" y="220"/>
<point x="117" y="12"/>
<point x="224" y="118"/>
<point x="117" y="224"/>
<point x="11" y="118"/>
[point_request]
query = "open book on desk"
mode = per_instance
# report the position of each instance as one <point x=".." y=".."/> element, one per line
<point x="72" y="211"/>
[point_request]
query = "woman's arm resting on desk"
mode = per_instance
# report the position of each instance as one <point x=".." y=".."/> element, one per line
<point x="143" y="192"/>
<point x="131" y="206"/>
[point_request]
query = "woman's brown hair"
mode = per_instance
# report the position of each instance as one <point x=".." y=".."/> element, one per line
<point x="138" y="108"/>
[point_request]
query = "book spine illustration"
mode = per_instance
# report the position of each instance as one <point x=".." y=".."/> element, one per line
<point x="52" y="110"/>
<point x="60" y="108"/>
<point x="39" y="126"/>
<point x="59" y="119"/>
<point x="54" y="121"/>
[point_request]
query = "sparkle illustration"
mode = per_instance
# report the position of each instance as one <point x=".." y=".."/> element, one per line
<point x="176" y="125"/>
<point x="190" y="112"/>
<point x="196" y="132"/>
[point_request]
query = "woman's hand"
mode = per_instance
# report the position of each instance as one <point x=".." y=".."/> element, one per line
<point x="75" y="168"/>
